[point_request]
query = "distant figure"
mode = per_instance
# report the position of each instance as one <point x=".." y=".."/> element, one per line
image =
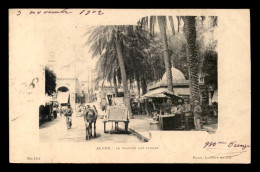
<point x="110" y="101"/>
<point x="187" y="113"/>
<point x="104" y="104"/>
<point x="113" y="101"/>
<point x="68" y="115"/>
<point x="197" y="115"/>
<point x="174" y="109"/>
<point x="180" y="109"/>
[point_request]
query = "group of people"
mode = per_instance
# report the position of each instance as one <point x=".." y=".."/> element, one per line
<point x="186" y="110"/>
<point x="69" y="111"/>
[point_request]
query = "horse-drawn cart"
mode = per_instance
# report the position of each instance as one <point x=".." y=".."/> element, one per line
<point x="117" y="113"/>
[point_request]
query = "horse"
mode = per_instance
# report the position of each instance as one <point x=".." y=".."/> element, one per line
<point x="90" y="116"/>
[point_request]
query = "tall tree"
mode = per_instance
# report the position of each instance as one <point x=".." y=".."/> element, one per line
<point x="190" y="34"/>
<point x="167" y="61"/>
<point x="104" y="39"/>
<point x="122" y="68"/>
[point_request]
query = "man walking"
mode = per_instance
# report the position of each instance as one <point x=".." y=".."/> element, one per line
<point x="197" y="114"/>
<point x="68" y="115"/>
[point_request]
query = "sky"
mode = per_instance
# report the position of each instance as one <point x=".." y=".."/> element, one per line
<point x="64" y="43"/>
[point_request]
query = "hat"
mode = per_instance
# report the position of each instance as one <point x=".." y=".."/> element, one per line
<point x="196" y="101"/>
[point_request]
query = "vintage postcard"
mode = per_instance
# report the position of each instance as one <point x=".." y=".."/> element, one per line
<point x="129" y="86"/>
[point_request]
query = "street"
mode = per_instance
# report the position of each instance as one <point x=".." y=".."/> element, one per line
<point x="56" y="131"/>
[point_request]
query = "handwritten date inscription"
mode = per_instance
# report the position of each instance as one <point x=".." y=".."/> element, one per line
<point x="63" y="11"/>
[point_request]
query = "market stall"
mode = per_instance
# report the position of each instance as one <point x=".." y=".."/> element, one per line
<point x="163" y="101"/>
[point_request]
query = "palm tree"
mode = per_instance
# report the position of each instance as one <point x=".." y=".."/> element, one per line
<point x="110" y="38"/>
<point x="190" y="34"/>
<point x="107" y="69"/>
<point x="118" y="41"/>
<point x="172" y="25"/>
<point x="167" y="61"/>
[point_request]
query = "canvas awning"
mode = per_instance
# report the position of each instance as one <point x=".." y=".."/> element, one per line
<point x="160" y="93"/>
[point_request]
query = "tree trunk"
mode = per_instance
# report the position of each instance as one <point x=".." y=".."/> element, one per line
<point x="146" y="23"/>
<point x="151" y="25"/>
<point x="190" y="34"/>
<point x="173" y="33"/>
<point x="123" y="74"/>
<point x="154" y="21"/>
<point x="115" y="84"/>
<point x="179" y="21"/>
<point x="172" y="25"/>
<point x="144" y="86"/>
<point x="138" y="86"/>
<point x="167" y="61"/>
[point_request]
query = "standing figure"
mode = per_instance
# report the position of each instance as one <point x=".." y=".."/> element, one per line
<point x="179" y="109"/>
<point x="180" y="113"/>
<point x="68" y="114"/>
<point x="174" y="109"/>
<point x="197" y="115"/>
<point x="104" y="104"/>
<point x="187" y="113"/>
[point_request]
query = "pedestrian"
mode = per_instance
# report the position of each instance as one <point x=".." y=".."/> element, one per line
<point x="68" y="115"/>
<point x="187" y="113"/>
<point x="174" y="109"/>
<point x="179" y="109"/>
<point x="197" y="115"/>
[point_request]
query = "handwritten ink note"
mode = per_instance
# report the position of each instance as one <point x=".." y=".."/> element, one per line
<point x="62" y="11"/>
<point x="223" y="149"/>
<point x="232" y="144"/>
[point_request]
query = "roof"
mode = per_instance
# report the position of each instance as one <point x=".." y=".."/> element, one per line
<point x="181" y="91"/>
<point x="160" y="92"/>
<point x="177" y="75"/>
<point x="177" y="78"/>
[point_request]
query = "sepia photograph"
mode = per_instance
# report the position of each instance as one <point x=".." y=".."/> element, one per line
<point x="146" y="83"/>
<point x="160" y="74"/>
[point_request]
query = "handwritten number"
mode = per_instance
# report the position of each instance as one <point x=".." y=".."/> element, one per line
<point x="209" y="144"/>
<point x="81" y="11"/>
<point x="87" y="12"/>
<point x="206" y="144"/>
<point x="99" y="12"/>
<point x="19" y="13"/>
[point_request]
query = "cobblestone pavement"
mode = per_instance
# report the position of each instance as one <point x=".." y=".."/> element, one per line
<point x="56" y="131"/>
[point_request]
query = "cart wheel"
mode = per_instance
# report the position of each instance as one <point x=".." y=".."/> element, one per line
<point x="51" y="118"/>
